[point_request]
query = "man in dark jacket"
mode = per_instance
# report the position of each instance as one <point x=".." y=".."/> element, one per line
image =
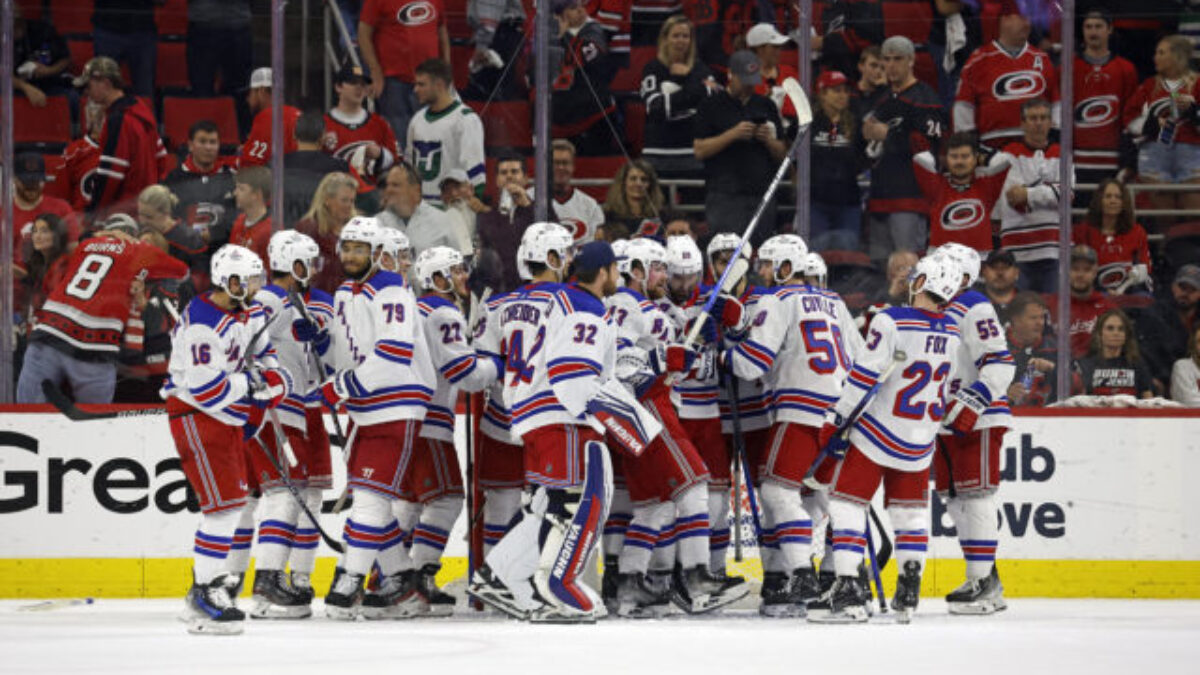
<point x="304" y="168"/>
<point x="1163" y="328"/>
<point x="500" y="229"/>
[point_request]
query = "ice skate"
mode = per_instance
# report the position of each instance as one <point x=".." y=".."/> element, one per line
<point x="847" y="602"/>
<point x="302" y="584"/>
<point x="345" y="596"/>
<point x="487" y="588"/>
<point x="209" y="609"/>
<point x="274" y="598"/>
<point x="608" y="584"/>
<point x="435" y="601"/>
<point x="776" y="600"/>
<point x="637" y="600"/>
<point x="396" y="598"/>
<point x="697" y="591"/>
<point x="978" y="596"/>
<point x="908" y="591"/>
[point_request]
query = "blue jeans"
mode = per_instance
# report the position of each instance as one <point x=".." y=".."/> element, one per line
<point x="91" y="381"/>
<point x="139" y="50"/>
<point x="834" y="227"/>
<point x="397" y="105"/>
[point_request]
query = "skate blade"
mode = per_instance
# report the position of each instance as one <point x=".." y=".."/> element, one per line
<point x="497" y="601"/>
<point x="902" y="617"/>
<point x="783" y="611"/>
<point x="849" y="615"/>
<point x="405" y="609"/>
<point x="643" y="612"/>
<point x="271" y="611"/>
<point x="976" y="608"/>
<point x="437" y="611"/>
<point x="341" y="613"/>
<point x="552" y="615"/>
<point x="210" y="627"/>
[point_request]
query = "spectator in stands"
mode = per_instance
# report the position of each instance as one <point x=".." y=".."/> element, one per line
<point x="1104" y="83"/>
<point x="219" y="40"/>
<point x="1185" y="374"/>
<point x="1033" y="350"/>
<point x="353" y="133"/>
<point x="961" y="199"/>
<point x="871" y="77"/>
<point x="132" y="155"/>
<point x="574" y="209"/>
<point x="203" y="184"/>
<point x="903" y="118"/>
<point x="331" y="207"/>
<point x="252" y="195"/>
<point x="582" y="107"/>
<point x="1163" y="328"/>
<point x="40" y="61"/>
<point x="1120" y="243"/>
<point x="849" y="29"/>
<point x="1000" y="276"/>
<point x="1162" y="115"/>
<point x="767" y="44"/>
<point x="838" y="155"/>
<point x="500" y="229"/>
<point x="634" y="206"/>
<point x="156" y="209"/>
<point x="1113" y="365"/>
<point x="678" y="225"/>
<point x="30" y="201"/>
<point x="1029" y="219"/>
<point x="955" y="23"/>
<point x="304" y="169"/>
<point x="392" y="46"/>
<point x="425" y="225"/>
<point x="1000" y="78"/>
<point x="256" y="151"/>
<point x="738" y="137"/>
<point x="75" y="172"/>
<point x="673" y="85"/>
<point x="899" y="268"/>
<point x="460" y="201"/>
<point x="124" y="30"/>
<point x="445" y="134"/>
<point x="499" y="35"/>
<point x="41" y="265"/>
<point x="1087" y="303"/>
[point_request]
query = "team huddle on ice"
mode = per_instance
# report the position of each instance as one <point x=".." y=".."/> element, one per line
<point x="621" y="402"/>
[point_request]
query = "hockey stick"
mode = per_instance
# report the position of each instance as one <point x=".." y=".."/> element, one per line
<point x="50" y="605"/>
<point x="298" y="303"/>
<point x="885" y="542"/>
<point x="272" y="416"/>
<point x="739" y="444"/>
<point x="875" y="569"/>
<point x="291" y="487"/>
<point x="55" y="397"/>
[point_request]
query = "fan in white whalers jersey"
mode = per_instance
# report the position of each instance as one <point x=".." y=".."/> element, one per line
<point x="801" y="342"/>
<point x="282" y="538"/>
<point x="446" y="134"/>
<point x="893" y="437"/>
<point x="384" y="378"/>
<point x="970" y="445"/>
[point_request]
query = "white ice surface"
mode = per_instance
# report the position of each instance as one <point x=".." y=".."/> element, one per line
<point x="1130" y="637"/>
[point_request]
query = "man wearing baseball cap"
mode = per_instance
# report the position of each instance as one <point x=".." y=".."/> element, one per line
<point x="836" y="217"/>
<point x="767" y="44"/>
<point x="1087" y="303"/>
<point x="349" y="127"/>
<point x="739" y="139"/>
<point x="132" y="156"/>
<point x="256" y="151"/>
<point x="30" y="201"/>
<point x="1163" y="329"/>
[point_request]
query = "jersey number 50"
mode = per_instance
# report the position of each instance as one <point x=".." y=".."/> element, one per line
<point x="829" y="352"/>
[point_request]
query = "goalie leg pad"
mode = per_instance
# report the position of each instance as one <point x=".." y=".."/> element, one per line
<point x="582" y="533"/>
<point x="513" y="561"/>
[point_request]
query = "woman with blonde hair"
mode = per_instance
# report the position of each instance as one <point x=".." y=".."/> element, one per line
<point x="156" y="206"/>
<point x="673" y="85"/>
<point x="332" y="207"/>
<point x="634" y="205"/>
<point x="1113" y="364"/>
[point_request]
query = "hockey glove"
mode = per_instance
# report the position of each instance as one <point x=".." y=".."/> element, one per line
<point x="730" y="312"/>
<point x="341" y="386"/>
<point x="964" y="411"/>
<point x="672" y="359"/>
<point x="830" y="436"/>
<point x="253" y="423"/>
<point x="267" y="387"/>
<point x="304" y="330"/>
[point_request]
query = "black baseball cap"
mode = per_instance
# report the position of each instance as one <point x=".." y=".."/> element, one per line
<point x="31" y="167"/>
<point x="351" y="73"/>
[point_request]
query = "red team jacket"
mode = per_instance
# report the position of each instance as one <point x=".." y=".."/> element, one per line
<point x="256" y="151"/>
<point x="75" y="173"/>
<point x="957" y="213"/>
<point x="341" y="140"/>
<point x="1115" y="254"/>
<point x="132" y="157"/>
<point x="256" y="238"/>
<point x="993" y="86"/>
<point x="1100" y="93"/>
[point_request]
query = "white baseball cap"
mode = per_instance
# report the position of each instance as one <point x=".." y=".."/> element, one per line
<point x="765" y="34"/>
<point x="260" y="78"/>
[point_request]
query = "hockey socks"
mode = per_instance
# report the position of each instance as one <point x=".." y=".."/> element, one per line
<point x="648" y="523"/>
<point x="975" y="519"/>
<point x="911" y="526"/>
<point x="849" y="522"/>
<point x="213" y="541"/>
<point x="243" y="535"/>
<point x="789" y="524"/>
<point x="276" y="530"/>
<point x="371" y="532"/>
<point x="501" y="508"/>
<point x="691" y="532"/>
<point x="620" y="514"/>
<point x="718" y="523"/>
<point x="303" y="555"/>
<point x="433" y="530"/>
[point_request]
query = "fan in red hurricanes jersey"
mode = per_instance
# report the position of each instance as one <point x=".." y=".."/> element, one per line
<point x="74" y="172"/>
<point x="256" y="151"/>
<point x="961" y="201"/>
<point x="999" y="77"/>
<point x="349" y="127"/>
<point x="1104" y="82"/>
<point x="78" y="334"/>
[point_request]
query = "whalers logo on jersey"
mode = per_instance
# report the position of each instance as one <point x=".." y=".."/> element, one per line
<point x="417" y="13"/>
<point x="963" y="214"/>
<point x="1096" y="111"/>
<point x="1019" y="84"/>
<point x="429" y="159"/>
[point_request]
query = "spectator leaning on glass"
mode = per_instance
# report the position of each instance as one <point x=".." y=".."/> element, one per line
<point x="1162" y="116"/>
<point x="673" y="85"/>
<point x="1113" y="365"/>
<point x="425" y="225"/>
<point x="1185" y="374"/>
<point x="904" y="118"/>
<point x="394" y="37"/>
<point x="256" y="151"/>
<point x="634" y="205"/>
<point x="124" y="30"/>
<point x="445" y="135"/>
<point x="1033" y="350"/>
<point x="1121" y="245"/>
<point x="738" y="138"/>
<point x="838" y="152"/>
<point x="1029" y="206"/>
<point x="961" y="200"/>
<point x="1164" y="327"/>
<point x="1087" y="303"/>
<point x="1000" y="276"/>
<point x="332" y="206"/>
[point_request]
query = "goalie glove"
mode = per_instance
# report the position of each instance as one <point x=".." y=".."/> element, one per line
<point x="963" y="412"/>
<point x="624" y="422"/>
<point x="341" y="386"/>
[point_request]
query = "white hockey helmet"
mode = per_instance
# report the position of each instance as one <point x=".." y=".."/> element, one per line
<point x="522" y="270"/>
<point x="781" y="248"/>
<point x="287" y="247"/>
<point x="618" y="247"/>
<point x="364" y="229"/>
<point x="725" y="241"/>
<point x="814" y="267"/>
<point x="537" y="243"/>
<point x="395" y="243"/>
<point x="436" y="260"/>
<point x="967" y="259"/>
<point x="683" y="256"/>
<point x="939" y="275"/>
<point x="232" y="261"/>
<point x="645" y="251"/>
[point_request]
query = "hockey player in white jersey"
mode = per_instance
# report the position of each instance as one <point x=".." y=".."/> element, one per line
<point x="211" y="402"/>
<point x="801" y="341"/>
<point x="892" y="436"/>
<point x="297" y="337"/>
<point x="384" y="379"/>
<point x="970" y="445"/>
<point x="432" y="493"/>
<point x="816" y="273"/>
<point x="395" y="251"/>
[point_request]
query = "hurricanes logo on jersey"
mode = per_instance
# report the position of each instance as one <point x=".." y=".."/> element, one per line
<point x="1019" y="84"/>
<point x="578" y="227"/>
<point x="417" y="13"/>
<point x="1096" y="111"/>
<point x="963" y="214"/>
<point x="1112" y="275"/>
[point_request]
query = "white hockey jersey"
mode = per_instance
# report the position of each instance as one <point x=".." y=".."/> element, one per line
<point x="641" y="328"/>
<point x="982" y="361"/>
<point x="695" y="397"/>
<point x="579" y="213"/>
<point x="439" y="142"/>
<point x="802" y="341"/>
<point x="754" y="398"/>
<point x="899" y="424"/>
<point x="375" y="334"/>
<point x="496" y="421"/>
<point x="208" y="349"/>
<point x="455" y="362"/>
<point x="296" y="357"/>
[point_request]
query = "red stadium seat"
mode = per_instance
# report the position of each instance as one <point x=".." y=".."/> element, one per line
<point x="840" y="258"/>
<point x="630" y="79"/>
<point x="172" y="68"/>
<point x="47" y="128"/>
<point x="171" y="18"/>
<point x="179" y="113"/>
<point x="911" y="18"/>
<point x="30" y="9"/>
<point x="71" y="17"/>
<point x="81" y="52"/>
<point x="460" y="60"/>
<point x="635" y="127"/>
<point x="506" y="124"/>
<point x="925" y="69"/>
